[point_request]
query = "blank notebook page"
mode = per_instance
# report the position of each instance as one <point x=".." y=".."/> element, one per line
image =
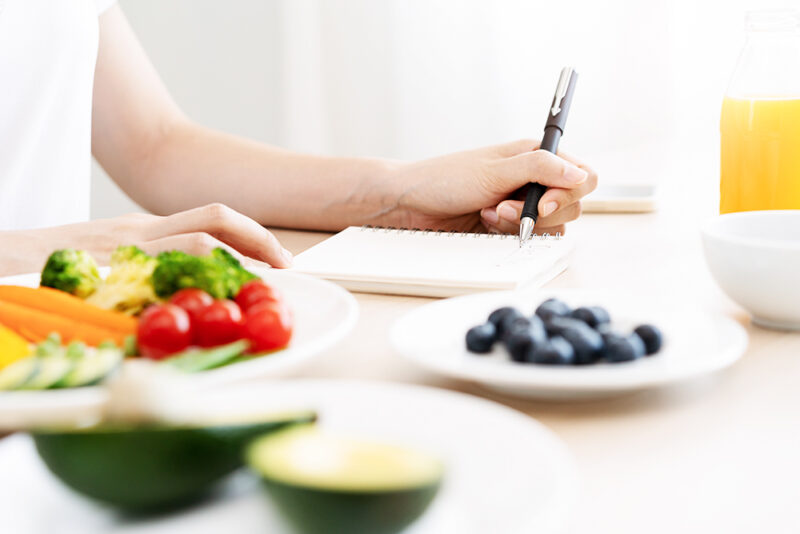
<point x="412" y="262"/>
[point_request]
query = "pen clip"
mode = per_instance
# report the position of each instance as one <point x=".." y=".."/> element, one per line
<point x="561" y="90"/>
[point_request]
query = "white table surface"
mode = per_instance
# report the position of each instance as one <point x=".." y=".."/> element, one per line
<point x="717" y="455"/>
<point x="721" y="454"/>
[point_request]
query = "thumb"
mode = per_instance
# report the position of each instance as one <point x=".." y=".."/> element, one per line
<point x="538" y="166"/>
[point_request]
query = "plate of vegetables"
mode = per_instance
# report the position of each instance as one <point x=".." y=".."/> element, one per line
<point x="567" y="344"/>
<point x="75" y="325"/>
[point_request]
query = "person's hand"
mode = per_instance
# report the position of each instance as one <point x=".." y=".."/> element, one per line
<point x="471" y="191"/>
<point x="195" y="231"/>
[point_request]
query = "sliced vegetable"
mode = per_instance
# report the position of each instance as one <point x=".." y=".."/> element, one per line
<point x="13" y="347"/>
<point x="76" y="350"/>
<point x="51" y="370"/>
<point x="130" y="347"/>
<point x="327" y="484"/>
<point x="36" y="325"/>
<point x="50" y="346"/>
<point x="95" y="366"/>
<point x="62" y="304"/>
<point x="195" y="360"/>
<point x="18" y="373"/>
<point x="150" y="467"/>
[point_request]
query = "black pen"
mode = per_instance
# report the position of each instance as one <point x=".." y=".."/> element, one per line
<point x="553" y="130"/>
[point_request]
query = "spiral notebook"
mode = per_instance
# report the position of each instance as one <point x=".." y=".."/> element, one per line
<point x="434" y="264"/>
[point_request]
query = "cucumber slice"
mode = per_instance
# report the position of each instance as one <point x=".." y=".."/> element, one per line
<point x="95" y="365"/>
<point x="19" y="372"/>
<point x="51" y="370"/>
<point x="333" y="485"/>
<point x="76" y="350"/>
<point x="194" y="360"/>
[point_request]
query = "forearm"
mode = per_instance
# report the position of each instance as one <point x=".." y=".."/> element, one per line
<point x="191" y="165"/>
<point x="23" y="251"/>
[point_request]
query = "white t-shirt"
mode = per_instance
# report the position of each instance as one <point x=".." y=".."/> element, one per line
<point x="48" y="50"/>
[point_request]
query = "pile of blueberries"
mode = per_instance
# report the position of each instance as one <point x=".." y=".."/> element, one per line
<point x="558" y="335"/>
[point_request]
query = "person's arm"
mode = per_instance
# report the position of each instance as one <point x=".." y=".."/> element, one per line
<point x="167" y="163"/>
<point x="196" y="231"/>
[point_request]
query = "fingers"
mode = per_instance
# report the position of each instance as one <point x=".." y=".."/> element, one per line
<point x="506" y="150"/>
<point x="198" y="244"/>
<point x="505" y="217"/>
<point x="555" y="198"/>
<point x="223" y="225"/>
<point x="509" y="174"/>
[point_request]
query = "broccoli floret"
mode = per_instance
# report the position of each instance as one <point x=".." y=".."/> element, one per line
<point x="219" y="274"/>
<point x="73" y="271"/>
<point x="129" y="286"/>
<point x="234" y="267"/>
<point x="129" y="253"/>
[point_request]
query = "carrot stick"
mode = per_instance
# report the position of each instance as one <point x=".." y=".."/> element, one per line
<point x="36" y="325"/>
<point x="57" y="302"/>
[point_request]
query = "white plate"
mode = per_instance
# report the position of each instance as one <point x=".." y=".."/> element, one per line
<point x="504" y="471"/>
<point x="696" y="344"/>
<point x="324" y="313"/>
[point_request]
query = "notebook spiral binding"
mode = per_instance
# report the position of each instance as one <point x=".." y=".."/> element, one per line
<point x="429" y="231"/>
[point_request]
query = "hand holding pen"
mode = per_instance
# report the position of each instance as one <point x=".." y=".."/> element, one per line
<point x="553" y="130"/>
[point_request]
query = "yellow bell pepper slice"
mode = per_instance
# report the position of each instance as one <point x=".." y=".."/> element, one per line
<point x="13" y="347"/>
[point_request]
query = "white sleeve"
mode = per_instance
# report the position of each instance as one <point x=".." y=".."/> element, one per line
<point x="102" y="5"/>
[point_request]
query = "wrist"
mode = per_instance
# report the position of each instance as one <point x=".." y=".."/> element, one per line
<point x="24" y="251"/>
<point x="390" y="189"/>
<point x="376" y="199"/>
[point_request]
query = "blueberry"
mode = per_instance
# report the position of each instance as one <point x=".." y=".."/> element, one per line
<point x="510" y="323"/>
<point x="594" y="316"/>
<point x="552" y="308"/>
<point x="481" y="338"/>
<point x="587" y="344"/>
<point x="532" y="326"/>
<point x="556" y="325"/>
<point x="623" y="349"/>
<point x="503" y="316"/>
<point x="604" y="328"/>
<point x="521" y="345"/>
<point x="557" y="351"/>
<point x="652" y="337"/>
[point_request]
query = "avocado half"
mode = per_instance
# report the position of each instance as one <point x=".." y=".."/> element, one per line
<point x="149" y="468"/>
<point x="335" y="485"/>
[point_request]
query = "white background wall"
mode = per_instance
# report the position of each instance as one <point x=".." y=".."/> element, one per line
<point x="415" y="78"/>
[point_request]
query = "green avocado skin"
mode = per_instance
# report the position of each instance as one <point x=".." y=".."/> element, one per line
<point x="316" y="511"/>
<point x="148" y="469"/>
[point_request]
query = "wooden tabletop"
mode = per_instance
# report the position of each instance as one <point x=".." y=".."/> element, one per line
<point x="720" y="454"/>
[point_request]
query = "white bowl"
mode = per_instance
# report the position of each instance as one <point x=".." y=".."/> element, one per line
<point x="755" y="257"/>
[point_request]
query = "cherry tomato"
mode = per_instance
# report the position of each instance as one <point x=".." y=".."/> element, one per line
<point x="192" y="300"/>
<point x="218" y="323"/>
<point x="255" y="292"/>
<point x="163" y="330"/>
<point x="268" y="326"/>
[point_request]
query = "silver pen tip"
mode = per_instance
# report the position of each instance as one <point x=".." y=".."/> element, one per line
<point x="525" y="230"/>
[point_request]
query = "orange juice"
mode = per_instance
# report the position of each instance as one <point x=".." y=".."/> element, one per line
<point x="760" y="164"/>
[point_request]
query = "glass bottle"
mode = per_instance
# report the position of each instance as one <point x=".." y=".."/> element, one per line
<point x="760" y="121"/>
